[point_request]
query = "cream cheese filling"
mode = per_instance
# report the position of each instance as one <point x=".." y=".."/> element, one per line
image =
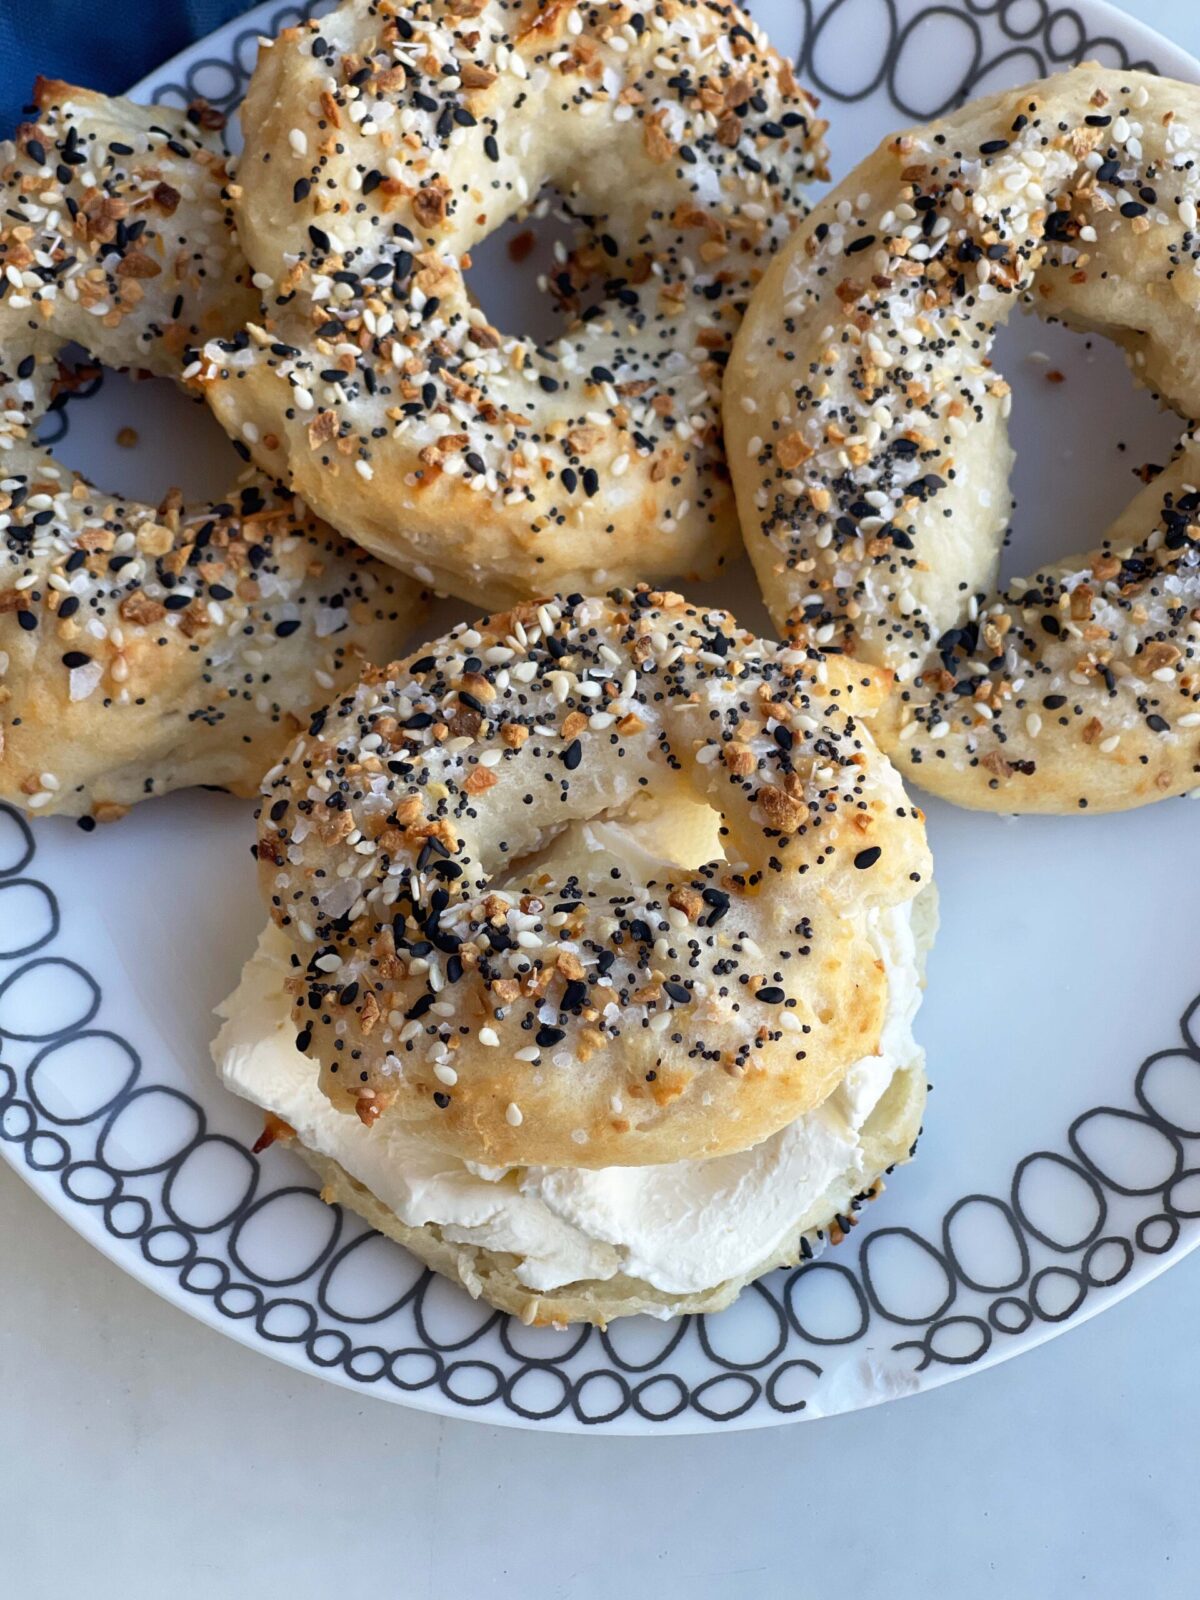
<point x="682" y="1227"/>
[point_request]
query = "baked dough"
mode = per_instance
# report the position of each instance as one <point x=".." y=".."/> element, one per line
<point x="142" y="647"/>
<point x="382" y="145"/>
<point x="517" y="1010"/>
<point x="868" y="442"/>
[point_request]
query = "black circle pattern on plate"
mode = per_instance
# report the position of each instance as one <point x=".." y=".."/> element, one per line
<point x="1072" y="1226"/>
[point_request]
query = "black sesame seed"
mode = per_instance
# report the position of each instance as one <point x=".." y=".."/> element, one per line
<point x="574" y="995"/>
<point x="718" y="900"/>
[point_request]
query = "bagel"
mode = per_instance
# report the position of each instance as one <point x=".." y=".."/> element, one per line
<point x="382" y="145"/>
<point x="867" y="437"/>
<point x="144" y="647"/>
<point x="475" y="965"/>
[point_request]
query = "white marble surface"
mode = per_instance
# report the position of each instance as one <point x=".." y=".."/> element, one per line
<point x="142" y="1454"/>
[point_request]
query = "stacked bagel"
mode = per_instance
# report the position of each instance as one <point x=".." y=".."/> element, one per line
<point x="597" y="933"/>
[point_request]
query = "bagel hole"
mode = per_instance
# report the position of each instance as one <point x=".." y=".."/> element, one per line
<point x="513" y="270"/>
<point x="1083" y="431"/>
<point x="657" y="834"/>
<point x="132" y="444"/>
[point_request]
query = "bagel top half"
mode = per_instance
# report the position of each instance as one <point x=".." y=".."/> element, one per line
<point x="467" y="960"/>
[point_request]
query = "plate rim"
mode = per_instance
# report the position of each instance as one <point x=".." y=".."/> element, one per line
<point x="1125" y="26"/>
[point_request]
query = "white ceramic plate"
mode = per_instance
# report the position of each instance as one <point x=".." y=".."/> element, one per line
<point x="1060" y="1166"/>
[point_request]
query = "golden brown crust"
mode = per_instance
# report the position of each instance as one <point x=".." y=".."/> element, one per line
<point x="519" y="1013"/>
<point x="867" y="437"/>
<point x="493" y="466"/>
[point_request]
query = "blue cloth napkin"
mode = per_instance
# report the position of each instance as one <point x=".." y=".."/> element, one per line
<point x="100" y="44"/>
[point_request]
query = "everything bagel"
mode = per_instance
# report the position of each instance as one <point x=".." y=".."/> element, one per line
<point x="867" y="437"/>
<point x="474" y="961"/>
<point x="383" y="144"/>
<point x="144" y="647"/>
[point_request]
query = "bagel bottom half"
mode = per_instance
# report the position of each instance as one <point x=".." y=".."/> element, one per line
<point x="886" y="1139"/>
<point x="557" y="1245"/>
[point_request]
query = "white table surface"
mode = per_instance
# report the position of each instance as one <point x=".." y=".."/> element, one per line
<point x="142" y="1455"/>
